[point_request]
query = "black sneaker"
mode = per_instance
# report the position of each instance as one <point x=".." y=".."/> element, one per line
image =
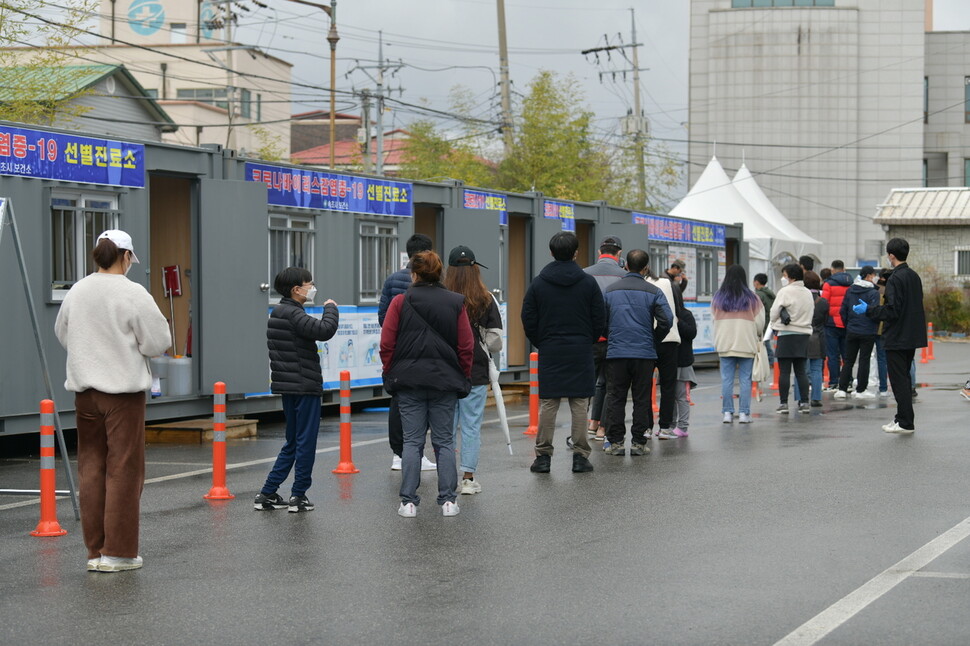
<point x="581" y="464"/>
<point x="300" y="503"/>
<point x="265" y="502"/>
<point x="541" y="464"/>
<point x="816" y="403"/>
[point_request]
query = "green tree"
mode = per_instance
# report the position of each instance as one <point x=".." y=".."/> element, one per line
<point x="30" y="48"/>
<point x="429" y="154"/>
<point x="553" y="149"/>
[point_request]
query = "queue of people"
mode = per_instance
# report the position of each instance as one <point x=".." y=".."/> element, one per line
<point x="601" y="334"/>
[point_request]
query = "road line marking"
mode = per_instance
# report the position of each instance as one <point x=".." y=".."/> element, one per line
<point x="237" y="465"/>
<point x="816" y="628"/>
<point x="942" y="575"/>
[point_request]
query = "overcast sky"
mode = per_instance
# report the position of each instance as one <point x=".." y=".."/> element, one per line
<point x="432" y="36"/>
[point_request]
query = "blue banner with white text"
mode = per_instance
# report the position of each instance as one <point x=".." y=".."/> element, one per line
<point x="679" y="230"/>
<point x="311" y="189"/>
<point x="71" y="158"/>
<point x="487" y="202"/>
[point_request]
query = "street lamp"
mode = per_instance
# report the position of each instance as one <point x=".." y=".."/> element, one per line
<point x="332" y="38"/>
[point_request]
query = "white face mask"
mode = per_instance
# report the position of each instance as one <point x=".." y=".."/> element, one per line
<point x="784" y="281"/>
<point x="128" y="266"/>
<point x="310" y="293"/>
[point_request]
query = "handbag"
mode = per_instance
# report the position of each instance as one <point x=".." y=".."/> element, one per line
<point x="761" y="371"/>
<point x="784" y="315"/>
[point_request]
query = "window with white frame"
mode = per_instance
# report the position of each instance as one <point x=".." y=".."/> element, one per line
<point x="962" y="261"/>
<point x="77" y="219"/>
<point x="658" y="259"/>
<point x="378" y="258"/>
<point x="706" y="274"/>
<point x="290" y="243"/>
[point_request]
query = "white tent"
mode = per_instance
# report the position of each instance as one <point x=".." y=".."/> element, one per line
<point x="714" y="198"/>
<point x="796" y="242"/>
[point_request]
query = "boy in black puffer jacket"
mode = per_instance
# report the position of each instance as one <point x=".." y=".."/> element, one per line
<point x="292" y="337"/>
<point x="860" y="333"/>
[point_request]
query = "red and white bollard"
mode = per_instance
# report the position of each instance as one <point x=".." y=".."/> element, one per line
<point x="533" y="395"/>
<point x="346" y="464"/>
<point x="48" y="525"/>
<point x="219" y="491"/>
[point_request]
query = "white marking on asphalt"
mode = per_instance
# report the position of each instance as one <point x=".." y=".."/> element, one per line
<point x="237" y="465"/>
<point x="816" y="628"/>
<point x="942" y="575"/>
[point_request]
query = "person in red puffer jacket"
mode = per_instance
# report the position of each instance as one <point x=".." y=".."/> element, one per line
<point x="833" y="290"/>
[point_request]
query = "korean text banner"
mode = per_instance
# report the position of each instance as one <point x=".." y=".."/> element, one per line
<point x="310" y="189"/>
<point x="487" y="202"/>
<point x="677" y="230"/>
<point x="71" y="158"/>
<point x="565" y="213"/>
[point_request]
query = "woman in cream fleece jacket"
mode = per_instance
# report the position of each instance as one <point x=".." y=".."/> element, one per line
<point x="739" y="319"/>
<point x="793" y="335"/>
<point x="110" y="326"/>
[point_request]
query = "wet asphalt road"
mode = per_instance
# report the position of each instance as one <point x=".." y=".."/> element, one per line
<point x="735" y="535"/>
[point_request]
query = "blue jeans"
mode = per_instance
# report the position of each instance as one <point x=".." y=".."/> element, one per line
<point x="302" y="427"/>
<point x="469" y="414"/>
<point x="741" y="365"/>
<point x="815" y="380"/>
<point x="419" y="410"/>
<point x="881" y="366"/>
<point x="835" y="351"/>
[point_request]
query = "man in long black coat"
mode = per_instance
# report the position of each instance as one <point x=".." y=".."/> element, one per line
<point x="564" y="315"/>
<point x="903" y="332"/>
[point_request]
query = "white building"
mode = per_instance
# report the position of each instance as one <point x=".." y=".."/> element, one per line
<point x="822" y="99"/>
<point x="217" y="91"/>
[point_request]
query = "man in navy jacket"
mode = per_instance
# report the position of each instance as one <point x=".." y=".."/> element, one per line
<point x="632" y="306"/>
<point x="860" y="334"/>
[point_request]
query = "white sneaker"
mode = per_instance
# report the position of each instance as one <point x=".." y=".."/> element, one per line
<point x="840" y="394"/>
<point x="396" y="463"/>
<point x="894" y="427"/>
<point x="728" y="417"/>
<point x="93" y="564"/>
<point x="118" y="563"/>
<point x="884" y="393"/>
<point x="470" y="486"/>
<point x="865" y="394"/>
<point x="745" y="418"/>
<point x="450" y="509"/>
<point x="409" y="510"/>
<point x="427" y="465"/>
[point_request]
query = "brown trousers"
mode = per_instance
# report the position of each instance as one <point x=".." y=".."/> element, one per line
<point x="111" y="468"/>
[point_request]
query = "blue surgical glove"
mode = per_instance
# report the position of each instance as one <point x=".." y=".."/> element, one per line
<point x="860" y="307"/>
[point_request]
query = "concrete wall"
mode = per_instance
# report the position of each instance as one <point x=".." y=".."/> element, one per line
<point x="932" y="246"/>
<point x="947" y="134"/>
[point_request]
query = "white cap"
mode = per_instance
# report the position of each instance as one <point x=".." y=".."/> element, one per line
<point x="121" y="239"/>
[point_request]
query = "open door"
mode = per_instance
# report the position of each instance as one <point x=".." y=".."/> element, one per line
<point x="479" y="231"/>
<point x="542" y="231"/>
<point x="233" y="260"/>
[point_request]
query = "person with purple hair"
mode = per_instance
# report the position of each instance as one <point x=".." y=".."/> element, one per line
<point x="739" y="319"/>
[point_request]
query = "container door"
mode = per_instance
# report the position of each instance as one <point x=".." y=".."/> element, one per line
<point x="479" y="231"/>
<point x="542" y="231"/>
<point x="233" y="261"/>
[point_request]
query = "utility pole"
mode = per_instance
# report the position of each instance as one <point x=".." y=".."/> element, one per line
<point x="365" y="131"/>
<point x="503" y="66"/>
<point x="634" y="124"/>
<point x="638" y="116"/>
<point x="380" y="69"/>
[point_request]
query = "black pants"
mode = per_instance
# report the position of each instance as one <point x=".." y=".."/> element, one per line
<point x="395" y="430"/>
<point x="597" y="403"/>
<point x="861" y="346"/>
<point x="621" y="376"/>
<point x="784" y="377"/>
<point x="667" y="378"/>
<point x="898" y="363"/>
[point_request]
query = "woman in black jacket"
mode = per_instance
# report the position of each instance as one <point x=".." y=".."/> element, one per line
<point x="292" y="336"/>
<point x="426" y="348"/>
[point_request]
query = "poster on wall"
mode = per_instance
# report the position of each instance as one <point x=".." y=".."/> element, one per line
<point x="688" y="256"/>
<point x="704" y="342"/>
<point x="721" y="267"/>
